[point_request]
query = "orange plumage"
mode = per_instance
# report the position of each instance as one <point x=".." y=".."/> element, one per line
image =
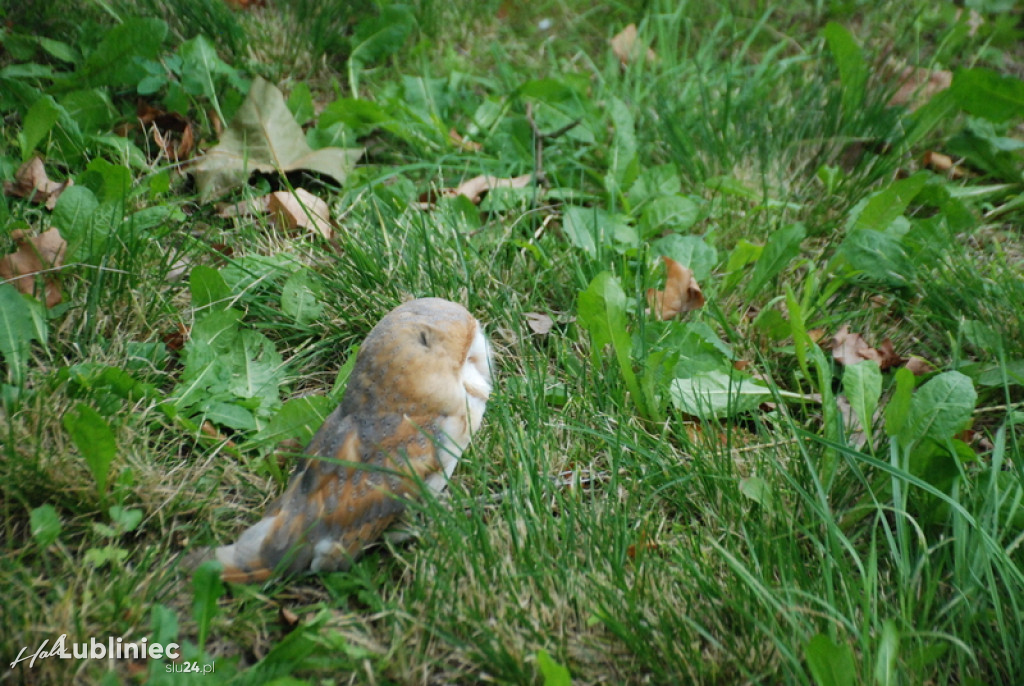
<point x="416" y="395"/>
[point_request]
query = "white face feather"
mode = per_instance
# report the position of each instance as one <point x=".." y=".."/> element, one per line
<point x="475" y="376"/>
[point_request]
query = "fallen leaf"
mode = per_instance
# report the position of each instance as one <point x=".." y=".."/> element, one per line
<point x="918" y="85"/>
<point x="627" y="48"/>
<point x="244" y="208"/>
<point x="681" y="293"/>
<point x="850" y="348"/>
<point x="31" y="181"/>
<point x="855" y="434"/>
<point x="264" y="136"/>
<point x="846" y="346"/>
<point x="887" y="356"/>
<point x="816" y="334"/>
<point x="175" y="340"/>
<point x="943" y="164"/>
<point x="919" y="366"/>
<point x="298" y="210"/>
<point x="475" y="188"/>
<point x="288" y="618"/>
<point x="465" y="145"/>
<point x="301" y="210"/>
<point x="172" y="132"/>
<point x="538" y="322"/>
<point x="39" y="255"/>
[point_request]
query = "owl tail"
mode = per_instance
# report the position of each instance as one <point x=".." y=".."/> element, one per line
<point x="243" y="561"/>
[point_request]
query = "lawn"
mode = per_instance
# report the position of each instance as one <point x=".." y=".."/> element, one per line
<point x="754" y="279"/>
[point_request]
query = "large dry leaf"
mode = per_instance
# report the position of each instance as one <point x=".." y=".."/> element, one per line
<point x="264" y="137"/>
<point x="850" y="348"/>
<point x="627" y="48"/>
<point x="681" y="293"/>
<point x="41" y="255"/>
<point x="31" y="181"/>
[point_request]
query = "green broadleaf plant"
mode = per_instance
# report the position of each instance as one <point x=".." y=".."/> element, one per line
<point x="831" y="663"/>
<point x="95" y="441"/>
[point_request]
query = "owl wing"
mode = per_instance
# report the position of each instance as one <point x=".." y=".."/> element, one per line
<point x="340" y="499"/>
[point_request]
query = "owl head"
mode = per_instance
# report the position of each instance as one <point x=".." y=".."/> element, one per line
<point x="427" y="357"/>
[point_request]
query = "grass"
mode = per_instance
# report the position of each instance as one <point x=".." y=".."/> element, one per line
<point x="632" y="540"/>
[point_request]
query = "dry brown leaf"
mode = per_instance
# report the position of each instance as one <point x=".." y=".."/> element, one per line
<point x="465" y="145"/>
<point x="918" y="85"/>
<point x="42" y="255"/>
<point x="288" y="618"/>
<point x="943" y="164"/>
<point x="291" y="211"/>
<point x="31" y="181"/>
<point x="850" y="348"/>
<point x="887" y="356"/>
<point x="816" y="335"/>
<point x="919" y="366"/>
<point x="475" y="188"/>
<point x="851" y="422"/>
<point x="301" y="210"/>
<point x="538" y="322"/>
<point x="172" y="133"/>
<point x="627" y="48"/>
<point x="681" y="293"/>
<point x="846" y="346"/>
<point x="244" y="208"/>
<point x="175" y="340"/>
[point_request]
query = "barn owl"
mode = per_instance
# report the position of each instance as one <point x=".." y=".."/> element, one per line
<point x="415" y="397"/>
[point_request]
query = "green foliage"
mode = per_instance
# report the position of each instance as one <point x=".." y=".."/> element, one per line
<point x="553" y="673"/>
<point x="862" y="384"/>
<point x="207" y="589"/>
<point x="987" y="94"/>
<point x="778" y="252"/>
<point x="679" y="486"/>
<point x="115" y="61"/>
<point x="46" y="525"/>
<point x="602" y="312"/>
<point x="831" y="663"/>
<point x="853" y="69"/>
<point x="718" y="394"/>
<point x="231" y="374"/>
<point x="95" y="441"/>
<point x="377" y="37"/>
<point x="21" y="323"/>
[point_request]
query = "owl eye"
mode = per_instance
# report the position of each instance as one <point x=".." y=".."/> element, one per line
<point x="423" y="339"/>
